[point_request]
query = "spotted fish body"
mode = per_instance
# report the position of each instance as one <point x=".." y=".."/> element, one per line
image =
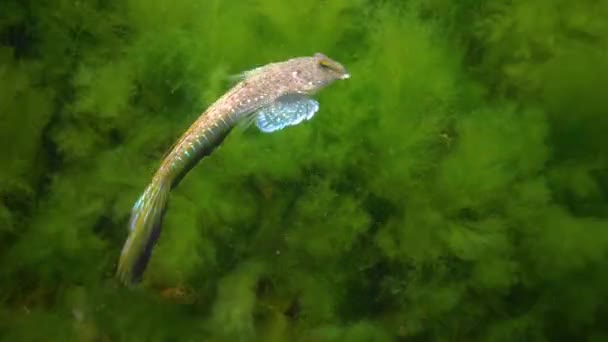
<point x="275" y="96"/>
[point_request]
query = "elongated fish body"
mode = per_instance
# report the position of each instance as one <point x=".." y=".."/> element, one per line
<point x="275" y="96"/>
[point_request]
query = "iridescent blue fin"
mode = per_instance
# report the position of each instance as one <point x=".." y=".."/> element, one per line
<point x="287" y="110"/>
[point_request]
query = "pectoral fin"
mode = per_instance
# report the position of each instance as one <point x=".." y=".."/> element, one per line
<point x="288" y="110"/>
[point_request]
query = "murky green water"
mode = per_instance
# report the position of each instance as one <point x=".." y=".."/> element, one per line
<point x="453" y="189"/>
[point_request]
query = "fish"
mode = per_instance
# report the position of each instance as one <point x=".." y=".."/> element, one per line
<point x="273" y="96"/>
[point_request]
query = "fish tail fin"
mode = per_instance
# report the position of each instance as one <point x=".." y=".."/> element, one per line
<point x="144" y="230"/>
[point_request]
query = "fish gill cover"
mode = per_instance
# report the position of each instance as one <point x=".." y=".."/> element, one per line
<point x="455" y="188"/>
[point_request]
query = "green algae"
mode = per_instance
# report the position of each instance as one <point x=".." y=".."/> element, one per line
<point x="453" y="189"/>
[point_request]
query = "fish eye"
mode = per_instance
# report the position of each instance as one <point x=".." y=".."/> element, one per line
<point x="327" y="65"/>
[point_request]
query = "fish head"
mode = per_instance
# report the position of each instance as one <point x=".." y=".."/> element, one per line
<point x="315" y="72"/>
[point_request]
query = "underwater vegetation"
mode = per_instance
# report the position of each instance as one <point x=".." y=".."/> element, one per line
<point x="454" y="189"/>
